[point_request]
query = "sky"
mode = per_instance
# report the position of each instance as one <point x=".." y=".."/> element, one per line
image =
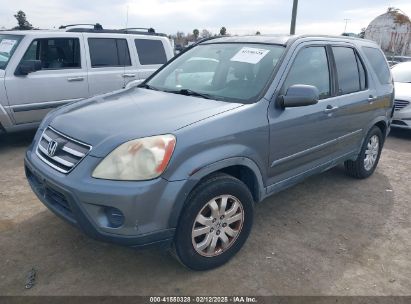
<point x="240" y="17"/>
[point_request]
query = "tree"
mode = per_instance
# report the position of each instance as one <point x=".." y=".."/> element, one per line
<point x="180" y="38"/>
<point x="362" y="33"/>
<point x="196" y="33"/>
<point x="258" y="33"/>
<point x="22" y="22"/>
<point x="206" y="34"/>
<point x="223" y="31"/>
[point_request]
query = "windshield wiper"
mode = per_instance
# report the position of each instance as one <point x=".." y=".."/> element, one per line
<point x="189" y="92"/>
<point x="145" y="86"/>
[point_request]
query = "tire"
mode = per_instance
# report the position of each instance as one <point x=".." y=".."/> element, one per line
<point x="228" y="234"/>
<point x="360" y="168"/>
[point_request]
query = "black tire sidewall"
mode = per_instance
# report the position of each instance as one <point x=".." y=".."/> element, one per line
<point x="209" y="190"/>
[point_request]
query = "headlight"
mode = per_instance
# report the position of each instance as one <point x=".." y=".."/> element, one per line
<point x="138" y="159"/>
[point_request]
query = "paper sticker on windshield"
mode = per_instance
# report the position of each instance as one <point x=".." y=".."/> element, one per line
<point x="249" y="55"/>
<point x="6" y="45"/>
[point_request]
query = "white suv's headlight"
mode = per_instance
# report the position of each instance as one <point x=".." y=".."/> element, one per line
<point x="139" y="159"/>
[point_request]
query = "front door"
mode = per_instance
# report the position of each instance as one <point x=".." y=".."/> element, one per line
<point x="303" y="138"/>
<point x="62" y="79"/>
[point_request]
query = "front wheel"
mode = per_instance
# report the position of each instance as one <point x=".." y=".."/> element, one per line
<point x="215" y="223"/>
<point x="369" y="156"/>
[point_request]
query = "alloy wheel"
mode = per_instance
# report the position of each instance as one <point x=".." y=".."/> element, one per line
<point x="217" y="225"/>
<point x="371" y="153"/>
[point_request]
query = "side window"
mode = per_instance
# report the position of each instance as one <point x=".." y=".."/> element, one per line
<point x="378" y="63"/>
<point x="32" y="52"/>
<point x="108" y="52"/>
<point x="150" y="51"/>
<point x="310" y="67"/>
<point x="55" y="53"/>
<point x="350" y="71"/>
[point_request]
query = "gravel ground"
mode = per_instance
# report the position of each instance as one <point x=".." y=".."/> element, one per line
<point x="331" y="235"/>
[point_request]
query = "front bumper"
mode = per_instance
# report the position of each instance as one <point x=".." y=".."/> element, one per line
<point x="81" y="200"/>
<point x="402" y="118"/>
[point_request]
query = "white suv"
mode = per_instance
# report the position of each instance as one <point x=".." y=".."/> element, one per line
<point x="43" y="69"/>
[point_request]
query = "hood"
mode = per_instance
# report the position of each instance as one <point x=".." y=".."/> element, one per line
<point x="402" y="91"/>
<point x="111" y="119"/>
<point x="2" y="73"/>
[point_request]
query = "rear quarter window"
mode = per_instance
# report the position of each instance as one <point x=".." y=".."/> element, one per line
<point x="378" y="63"/>
<point x="150" y="51"/>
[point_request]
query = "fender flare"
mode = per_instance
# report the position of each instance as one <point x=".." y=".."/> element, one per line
<point x="193" y="180"/>
<point x="375" y="121"/>
<point x="368" y="128"/>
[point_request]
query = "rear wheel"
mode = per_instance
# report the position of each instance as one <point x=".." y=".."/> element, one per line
<point x="369" y="156"/>
<point x="215" y="223"/>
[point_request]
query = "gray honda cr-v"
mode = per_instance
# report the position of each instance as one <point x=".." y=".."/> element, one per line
<point x="181" y="160"/>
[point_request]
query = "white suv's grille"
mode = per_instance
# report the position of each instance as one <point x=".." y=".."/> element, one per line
<point x="400" y="104"/>
<point x="60" y="151"/>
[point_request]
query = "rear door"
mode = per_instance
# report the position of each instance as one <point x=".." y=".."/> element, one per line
<point x="110" y="64"/>
<point x="354" y="97"/>
<point x="62" y="79"/>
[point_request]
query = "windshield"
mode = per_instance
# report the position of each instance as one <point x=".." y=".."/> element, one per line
<point x="402" y="72"/>
<point x="8" y="44"/>
<point x="223" y="71"/>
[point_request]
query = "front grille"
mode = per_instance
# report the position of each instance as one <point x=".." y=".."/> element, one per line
<point x="400" y="104"/>
<point x="399" y="122"/>
<point x="68" y="154"/>
<point x="54" y="198"/>
<point x="58" y="200"/>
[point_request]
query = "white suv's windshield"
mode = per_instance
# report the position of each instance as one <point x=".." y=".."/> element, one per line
<point x="8" y="44"/>
<point x="225" y="71"/>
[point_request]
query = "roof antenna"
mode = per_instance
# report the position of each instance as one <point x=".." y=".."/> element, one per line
<point x="125" y="52"/>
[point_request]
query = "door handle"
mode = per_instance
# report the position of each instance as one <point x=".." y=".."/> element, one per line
<point x="330" y="109"/>
<point x="79" y="78"/>
<point x="371" y="99"/>
<point x="129" y="75"/>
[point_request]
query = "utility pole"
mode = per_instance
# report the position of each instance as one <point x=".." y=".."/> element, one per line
<point x="293" y="17"/>
<point x="346" y="22"/>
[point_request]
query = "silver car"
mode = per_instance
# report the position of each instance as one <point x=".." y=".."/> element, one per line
<point x="44" y="69"/>
<point x="402" y="104"/>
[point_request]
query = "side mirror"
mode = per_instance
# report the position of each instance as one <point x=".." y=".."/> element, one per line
<point x="28" y="66"/>
<point x="134" y="83"/>
<point x="299" y="95"/>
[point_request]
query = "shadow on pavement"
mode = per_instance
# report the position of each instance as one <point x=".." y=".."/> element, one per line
<point x="9" y="141"/>
<point x="400" y="133"/>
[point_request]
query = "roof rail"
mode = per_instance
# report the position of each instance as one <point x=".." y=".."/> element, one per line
<point x="149" y="30"/>
<point x="96" y="26"/>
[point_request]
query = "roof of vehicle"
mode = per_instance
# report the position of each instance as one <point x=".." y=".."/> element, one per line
<point x="69" y="32"/>
<point x="283" y="39"/>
